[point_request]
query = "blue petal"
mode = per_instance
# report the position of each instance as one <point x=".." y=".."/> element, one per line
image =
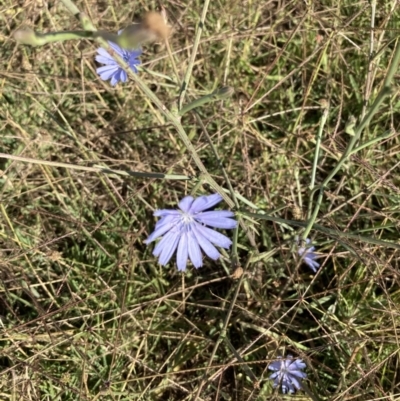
<point x="185" y="203"/>
<point x="166" y="212"/>
<point x="123" y="76"/>
<point x="209" y="249"/>
<point x="275" y="365"/>
<point x="106" y="61"/>
<point x="214" y="236"/>
<point x="133" y="60"/>
<point x="295" y="382"/>
<point x="194" y="251"/>
<point x="299" y="364"/>
<point x="273" y="376"/>
<point x="182" y="254"/>
<point x="165" y="242"/>
<point x="106" y="72"/>
<point x="119" y="75"/>
<point x="104" y="57"/>
<point x="167" y="220"/>
<point x="298" y="373"/>
<point x="287" y="362"/>
<point x="133" y="67"/>
<point x="136" y="53"/>
<point x="117" y="49"/>
<point x="116" y="77"/>
<point x="217" y="219"/>
<point x="114" y="80"/>
<point x="287" y="386"/>
<point x="205" y="202"/>
<point x="166" y="247"/>
<point x="164" y="225"/>
<point x="312" y="264"/>
<point x="288" y="374"/>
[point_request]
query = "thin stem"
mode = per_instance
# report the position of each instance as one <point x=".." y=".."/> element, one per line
<point x="231" y="191"/>
<point x="241" y="360"/>
<point x="317" y="146"/>
<point x="95" y="169"/>
<point x="219" y="161"/>
<point x="316" y="154"/>
<point x="369" y="80"/>
<point x="171" y="57"/>
<point x="331" y="232"/>
<point x="384" y="92"/>
<point x="174" y="119"/>
<point x="188" y="74"/>
<point x="218" y="94"/>
<point x="371" y="142"/>
<point x="72" y="8"/>
<point x="27" y="36"/>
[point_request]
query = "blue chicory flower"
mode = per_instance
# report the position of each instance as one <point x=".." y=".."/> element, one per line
<point x="187" y="231"/>
<point x="112" y="70"/>
<point x="309" y="256"/>
<point x="288" y="374"/>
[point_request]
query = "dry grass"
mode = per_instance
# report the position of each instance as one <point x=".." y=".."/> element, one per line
<point x="87" y="313"/>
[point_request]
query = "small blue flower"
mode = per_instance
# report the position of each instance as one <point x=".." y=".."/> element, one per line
<point x="112" y="70"/>
<point x="186" y="230"/>
<point x="288" y="374"/>
<point x="309" y="256"/>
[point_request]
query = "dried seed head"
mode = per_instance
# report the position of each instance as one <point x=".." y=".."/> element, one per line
<point x="237" y="273"/>
<point x="152" y="27"/>
<point x="297" y="213"/>
<point x="156" y="23"/>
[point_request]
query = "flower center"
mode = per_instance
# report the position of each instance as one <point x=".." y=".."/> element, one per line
<point x="187" y="219"/>
<point x="125" y="56"/>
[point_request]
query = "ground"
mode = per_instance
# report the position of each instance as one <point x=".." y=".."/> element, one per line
<point x="86" y="311"/>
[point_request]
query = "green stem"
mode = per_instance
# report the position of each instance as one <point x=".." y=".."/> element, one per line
<point x="235" y="259"/>
<point x="218" y="159"/>
<point x="129" y="38"/>
<point x="371" y="142"/>
<point x="95" y="169"/>
<point x="199" y="31"/>
<point x="316" y="155"/>
<point x="384" y="92"/>
<point x="72" y="8"/>
<point x="174" y="119"/>
<point x="354" y="139"/>
<point x="26" y="36"/>
<point x="331" y="232"/>
<point x="241" y="360"/>
<point x="218" y="94"/>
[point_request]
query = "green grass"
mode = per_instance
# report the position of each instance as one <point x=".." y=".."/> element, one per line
<point x="86" y="311"/>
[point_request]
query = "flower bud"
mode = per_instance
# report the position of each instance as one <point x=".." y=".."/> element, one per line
<point x="27" y="36"/>
<point x="224" y="92"/>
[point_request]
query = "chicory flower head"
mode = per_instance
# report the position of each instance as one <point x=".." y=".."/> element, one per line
<point x="288" y="373"/>
<point x="187" y="231"/>
<point x="308" y="255"/>
<point x="112" y="70"/>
